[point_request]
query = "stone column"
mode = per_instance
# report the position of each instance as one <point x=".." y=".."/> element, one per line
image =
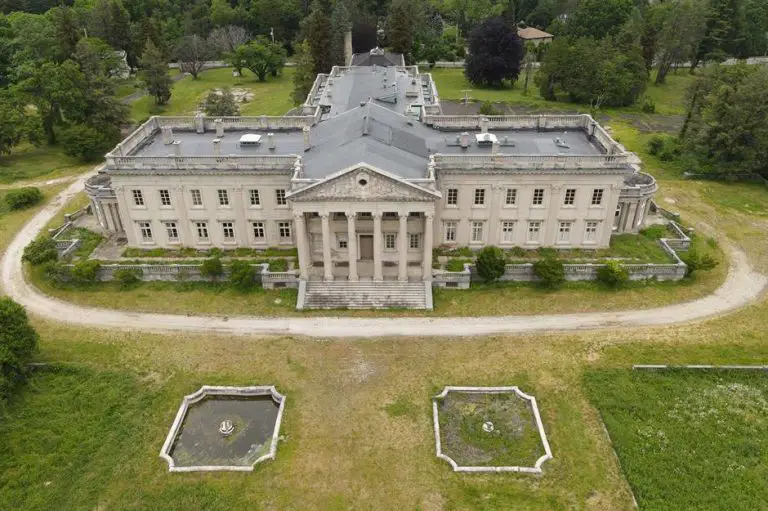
<point x="427" y="261"/>
<point x="402" y="247"/>
<point x="301" y="245"/>
<point x="377" y="272"/>
<point x="352" y="245"/>
<point x="327" y="263"/>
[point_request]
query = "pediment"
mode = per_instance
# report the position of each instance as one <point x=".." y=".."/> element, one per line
<point x="363" y="183"/>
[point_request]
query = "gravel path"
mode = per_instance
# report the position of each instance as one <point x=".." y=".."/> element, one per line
<point x="742" y="287"/>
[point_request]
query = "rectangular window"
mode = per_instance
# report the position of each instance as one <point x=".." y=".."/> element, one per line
<point x="172" y="231"/>
<point x="202" y="231"/>
<point x="479" y="196"/>
<point x="165" y="198"/>
<point x="228" y="228"/>
<point x="258" y="231"/>
<point x="223" y="198"/>
<point x="138" y="197"/>
<point x="570" y="197"/>
<point x="477" y="232"/>
<point x="590" y="231"/>
<point x="390" y="215"/>
<point x="511" y="198"/>
<point x="597" y="196"/>
<point x="507" y="232"/>
<point x="414" y="241"/>
<point x="284" y="231"/>
<point x="450" y="232"/>
<point x="255" y="199"/>
<point x="452" y="198"/>
<point x="197" y="197"/>
<point x="534" y="229"/>
<point x="538" y="196"/>
<point x="564" y="232"/>
<point x="145" y="228"/>
<point x="280" y="197"/>
<point x="342" y="242"/>
<point x="389" y="240"/>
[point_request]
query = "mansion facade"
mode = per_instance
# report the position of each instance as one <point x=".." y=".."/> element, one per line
<point x="369" y="178"/>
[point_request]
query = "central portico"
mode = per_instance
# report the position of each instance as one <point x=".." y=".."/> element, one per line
<point x="363" y="223"/>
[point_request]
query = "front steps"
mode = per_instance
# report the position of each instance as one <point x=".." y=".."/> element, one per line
<point x="343" y="294"/>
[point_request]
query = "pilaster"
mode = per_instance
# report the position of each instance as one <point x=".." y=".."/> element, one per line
<point x="327" y="263"/>
<point x="377" y="249"/>
<point x="402" y="247"/>
<point x="352" y="245"/>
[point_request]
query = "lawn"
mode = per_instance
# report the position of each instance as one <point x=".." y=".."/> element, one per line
<point x="271" y="97"/>
<point x="27" y="162"/>
<point x="12" y="221"/>
<point x="688" y="439"/>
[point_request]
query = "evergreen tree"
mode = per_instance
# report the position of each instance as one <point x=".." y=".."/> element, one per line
<point x="304" y="74"/>
<point x="340" y="25"/>
<point x="722" y="32"/>
<point x="317" y="32"/>
<point x="154" y="73"/>
<point x="401" y="27"/>
<point x="67" y="31"/>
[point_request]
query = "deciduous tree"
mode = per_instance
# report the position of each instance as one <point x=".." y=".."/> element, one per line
<point x="192" y="52"/>
<point x="495" y="54"/>
<point x="18" y="342"/>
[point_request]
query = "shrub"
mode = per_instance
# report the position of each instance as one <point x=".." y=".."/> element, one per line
<point x="648" y="105"/>
<point x="666" y="147"/>
<point x="550" y="272"/>
<point x="212" y="268"/>
<point x="221" y="103"/>
<point x="518" y="252"/>
<point x="18" y="342"/>
<point x="278" y="265"/>
<point x="456" y="264"/>
<point x="696" y="262"/>
<point x="127" y="277"/>
<point x="655" y="144"/>
<point x="490" y="263"/>
<point x="89" y="143"/>
<point x="23" y="198"/>
<point x="85" y="272"/>
<point x="242" y="275"/>
<point x="613" y="274"/>
<point x="56" y="272"/>
<point x="655" y="232"/>
<point x="41" y="251"/>
<point x="487" y="108"/>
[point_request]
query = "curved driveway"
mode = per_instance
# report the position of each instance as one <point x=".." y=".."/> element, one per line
<point x="742" y="286"/>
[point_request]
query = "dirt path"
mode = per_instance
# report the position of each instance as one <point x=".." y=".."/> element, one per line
<point x="742" y="287"/>
<point x="38" y="184"/>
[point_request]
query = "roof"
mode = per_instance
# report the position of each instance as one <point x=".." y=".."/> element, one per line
<point x="389" y="87"/>
<point x="377" y="57"/>
<point x="533" y="33"/>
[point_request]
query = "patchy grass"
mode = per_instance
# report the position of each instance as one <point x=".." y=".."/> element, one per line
<point x="12" y="221"/>
<point x="27" y="162"/>
<point x="688" y="439"/>
<point x="89" y="240"/>
<point x="514" y="440"/>
<point x="78" y="202"/>
<point x="272" y="97"/>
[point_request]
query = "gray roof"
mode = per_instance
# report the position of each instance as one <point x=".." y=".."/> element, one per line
<point x="378" y="58"/>
<point x="385" y="85"/>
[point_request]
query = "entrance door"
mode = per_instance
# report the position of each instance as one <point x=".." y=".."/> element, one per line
<point x="366" y="247"/>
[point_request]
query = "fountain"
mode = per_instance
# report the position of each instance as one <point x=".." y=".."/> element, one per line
<point x="226" y="427"/>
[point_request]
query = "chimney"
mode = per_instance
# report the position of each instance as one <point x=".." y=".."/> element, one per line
<point x="484" y="125"/>
<point x="200" y="123"/>
<point x="271" y="143"/>
<point x="464" y="140"/>
<point x="495" y="147"/>
<point x="177" y="148"/>
<point x="167" y="135"/>
<point x="306" y="131"/>
<point x="365" y="125"/>
<point x="217" y="147"/>
<point x="348" y="47"/>
<point x="219" y="128"/>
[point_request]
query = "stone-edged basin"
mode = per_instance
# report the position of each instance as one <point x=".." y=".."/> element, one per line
<point x="224" y="428"/>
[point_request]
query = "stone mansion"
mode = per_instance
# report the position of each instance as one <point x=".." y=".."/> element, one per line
<point x="368" y="178"/>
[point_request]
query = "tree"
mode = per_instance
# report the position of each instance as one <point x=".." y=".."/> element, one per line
<point x="528" y="61"/>
<point x="40" y="251"/>
<point x="221" y="103"/>
<point x="722" y="32"/>
<point x="67" y="31"/>
<point x="225" y="39"/>
<point x="495" y="54"/>
<point x="14" y="119"/>
<point x="340" y="25"/>
<point x="598" y="18"/>
<point x="401" y="26"/>
<point x="154" y="74"/>
<point x="491" y="263"/>
<point x="261" y="57"/>
<point x="304" y="73"/>
<point x="18" y="342"/>
<point x="89" y="143"/>
<point x="317" y="33"/>
<point x="110" y="21"/>
<point x="192" y="52"/>
<point x="681" y="28"/>
<point x="222" y="13"/>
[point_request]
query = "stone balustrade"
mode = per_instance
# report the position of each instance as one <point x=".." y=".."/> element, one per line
<point x="510" y="122"/>
<point x="529" y="161"/>
<point x="209" y="163"/>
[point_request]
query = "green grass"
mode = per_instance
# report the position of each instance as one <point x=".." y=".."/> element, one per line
<point x="688" y="439"/>
<point x="89" y="240"/>
<point x="126" y="87"/>
<point x="27" y="162"/>
<point x="271" y="97"/>
<point x="12" y="221"/>
<point x="191" y="252"/>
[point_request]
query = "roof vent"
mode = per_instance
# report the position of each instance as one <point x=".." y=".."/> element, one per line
<point x="559" y="142"/>
<point x="485" y="139"/>
<point x="250" y="139"/>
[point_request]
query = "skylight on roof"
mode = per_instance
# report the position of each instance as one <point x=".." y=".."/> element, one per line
<point x="250" y="139"/>
<point x="485" y="138"/>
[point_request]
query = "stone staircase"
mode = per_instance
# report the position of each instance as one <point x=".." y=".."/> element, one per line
<point x="342" y="294"/>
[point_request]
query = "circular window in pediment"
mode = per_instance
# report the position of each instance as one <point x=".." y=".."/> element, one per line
<point x="362" y="179"/>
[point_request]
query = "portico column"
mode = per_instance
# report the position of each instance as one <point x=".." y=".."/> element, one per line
<point x="402" y="247"/>
<point x="427" y="261"/>
<point x="377" y="274"/>
<point x="301" y="245"/>
<point x="327" y="265"/>
<point x="352" y="245"/>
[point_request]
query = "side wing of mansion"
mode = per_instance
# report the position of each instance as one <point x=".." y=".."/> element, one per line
<point x="369" y="178"/>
